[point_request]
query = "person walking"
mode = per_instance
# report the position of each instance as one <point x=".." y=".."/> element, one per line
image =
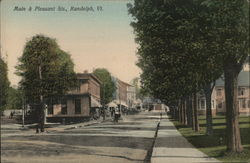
<point x="11" y="115"/>
<point x="103" y="113"/>
<point x="117" y="113"/>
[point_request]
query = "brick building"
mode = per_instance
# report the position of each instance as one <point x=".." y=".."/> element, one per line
<point x="77" y="103"/>
<point x="218" y="104"/>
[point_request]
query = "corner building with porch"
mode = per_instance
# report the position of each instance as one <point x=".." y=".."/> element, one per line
<point x="78" y="104"/>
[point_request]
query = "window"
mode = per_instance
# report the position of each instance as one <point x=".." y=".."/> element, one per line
<point x="219" y="105"/>
<point x="203" y="103"/>
<point x="242" y="103"/>
<point x="241" y="91"/>
<point x="50" y="109"/>
<point x="248" y="103"/>
<point x="212" y="103"/>
<point x="77" y="106"/>
<point x="219" y="92"/>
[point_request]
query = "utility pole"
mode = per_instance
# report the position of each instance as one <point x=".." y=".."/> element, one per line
<point x="120" y="107"/>
<point x="103" y="102"/>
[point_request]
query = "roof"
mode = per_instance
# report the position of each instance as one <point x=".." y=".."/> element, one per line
<point x="88" y="76"/>
<point x="125" y="83"/>
<point x="220" y="82"/>
<point x="243" y="79"/>
<point x="118" y="81"/>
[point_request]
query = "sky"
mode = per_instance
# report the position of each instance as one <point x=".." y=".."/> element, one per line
<point x="95" y="39"/>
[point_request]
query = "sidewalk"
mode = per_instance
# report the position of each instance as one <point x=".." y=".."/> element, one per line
<point x="170" y="146"/>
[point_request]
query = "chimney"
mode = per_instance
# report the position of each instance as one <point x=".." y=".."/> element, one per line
<point x="85" y="71"/>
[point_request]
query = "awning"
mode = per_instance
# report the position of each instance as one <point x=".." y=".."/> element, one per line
<point x="138" y="101"/>
<point x="124" y="104"/>
<point x="120" y="102"/>
<point x="95" y="103"/>
<point x="112" y="104"/>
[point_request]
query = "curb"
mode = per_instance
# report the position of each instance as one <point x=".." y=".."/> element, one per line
<point x="150" y="151"/>
<point x="89" y="124"/>
<point x="64" y="127"/>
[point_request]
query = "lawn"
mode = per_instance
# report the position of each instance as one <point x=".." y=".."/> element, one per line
<point x="215" y="145"/>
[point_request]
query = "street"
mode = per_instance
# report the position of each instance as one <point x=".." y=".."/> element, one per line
<point x="129" y="140"/>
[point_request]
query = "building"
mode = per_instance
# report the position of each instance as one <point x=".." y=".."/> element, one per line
<point x="77" y="104"/>
<point x="120" y="96"/>
<point x="152" y="104"/>
<point x="218" y="104"/>
<point x="201" y="104"/>
<point x="131" y="97"/>
<point x="218" y="95"/>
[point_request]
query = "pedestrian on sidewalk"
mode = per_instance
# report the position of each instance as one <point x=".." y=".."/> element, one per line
<point x="112" y="112"/>
<point x="117" y="114"/>
<point x="103" y="113"/>
<point x="11" y="115"/>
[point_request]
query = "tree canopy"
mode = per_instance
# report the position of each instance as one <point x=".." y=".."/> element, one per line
<point x="15" y="98"/>
<point x="185" y="45"/>
<point x="171" y="52"/>
<point x="4" y="84"/>
<point x="45" y="69"/>
<point x="107" y="87"/>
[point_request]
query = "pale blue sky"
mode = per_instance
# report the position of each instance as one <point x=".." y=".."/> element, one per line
<point x="94" y="39"/>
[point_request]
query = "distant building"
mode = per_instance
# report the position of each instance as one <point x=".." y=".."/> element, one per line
<point x="131" y="97"/>
<point x="148" y="103"/>
<point x="120" y="96"/>
<point x="77" y="103"/>
<point x="152" y="104"/>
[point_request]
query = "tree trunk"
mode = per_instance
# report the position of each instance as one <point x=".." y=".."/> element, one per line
<point x="42" y="116"/>
<point x="209" y="120"/>
<point x="41" y="108"/>
<point x="171" y="112"/>
<point x="232" y="110"/>
<point x="180" y="112"/>
<point x="193" y="117"/>
<point x="195" y="112"/>
<point x="176" y="112"/>
<point x="189" y="112"/>
<point x="184" y="112"/>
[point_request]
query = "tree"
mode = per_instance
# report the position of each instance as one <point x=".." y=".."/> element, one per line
<point x="107" y="87"/>
<point x="169" y="50"/>
<point x="185" y="45"/>
<point x="65" y="74"/>
<point x="15" y="98"/>
<point x="46" y="71"/>
<point x="231" y="37"/>
<point x="4" y="84"/>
